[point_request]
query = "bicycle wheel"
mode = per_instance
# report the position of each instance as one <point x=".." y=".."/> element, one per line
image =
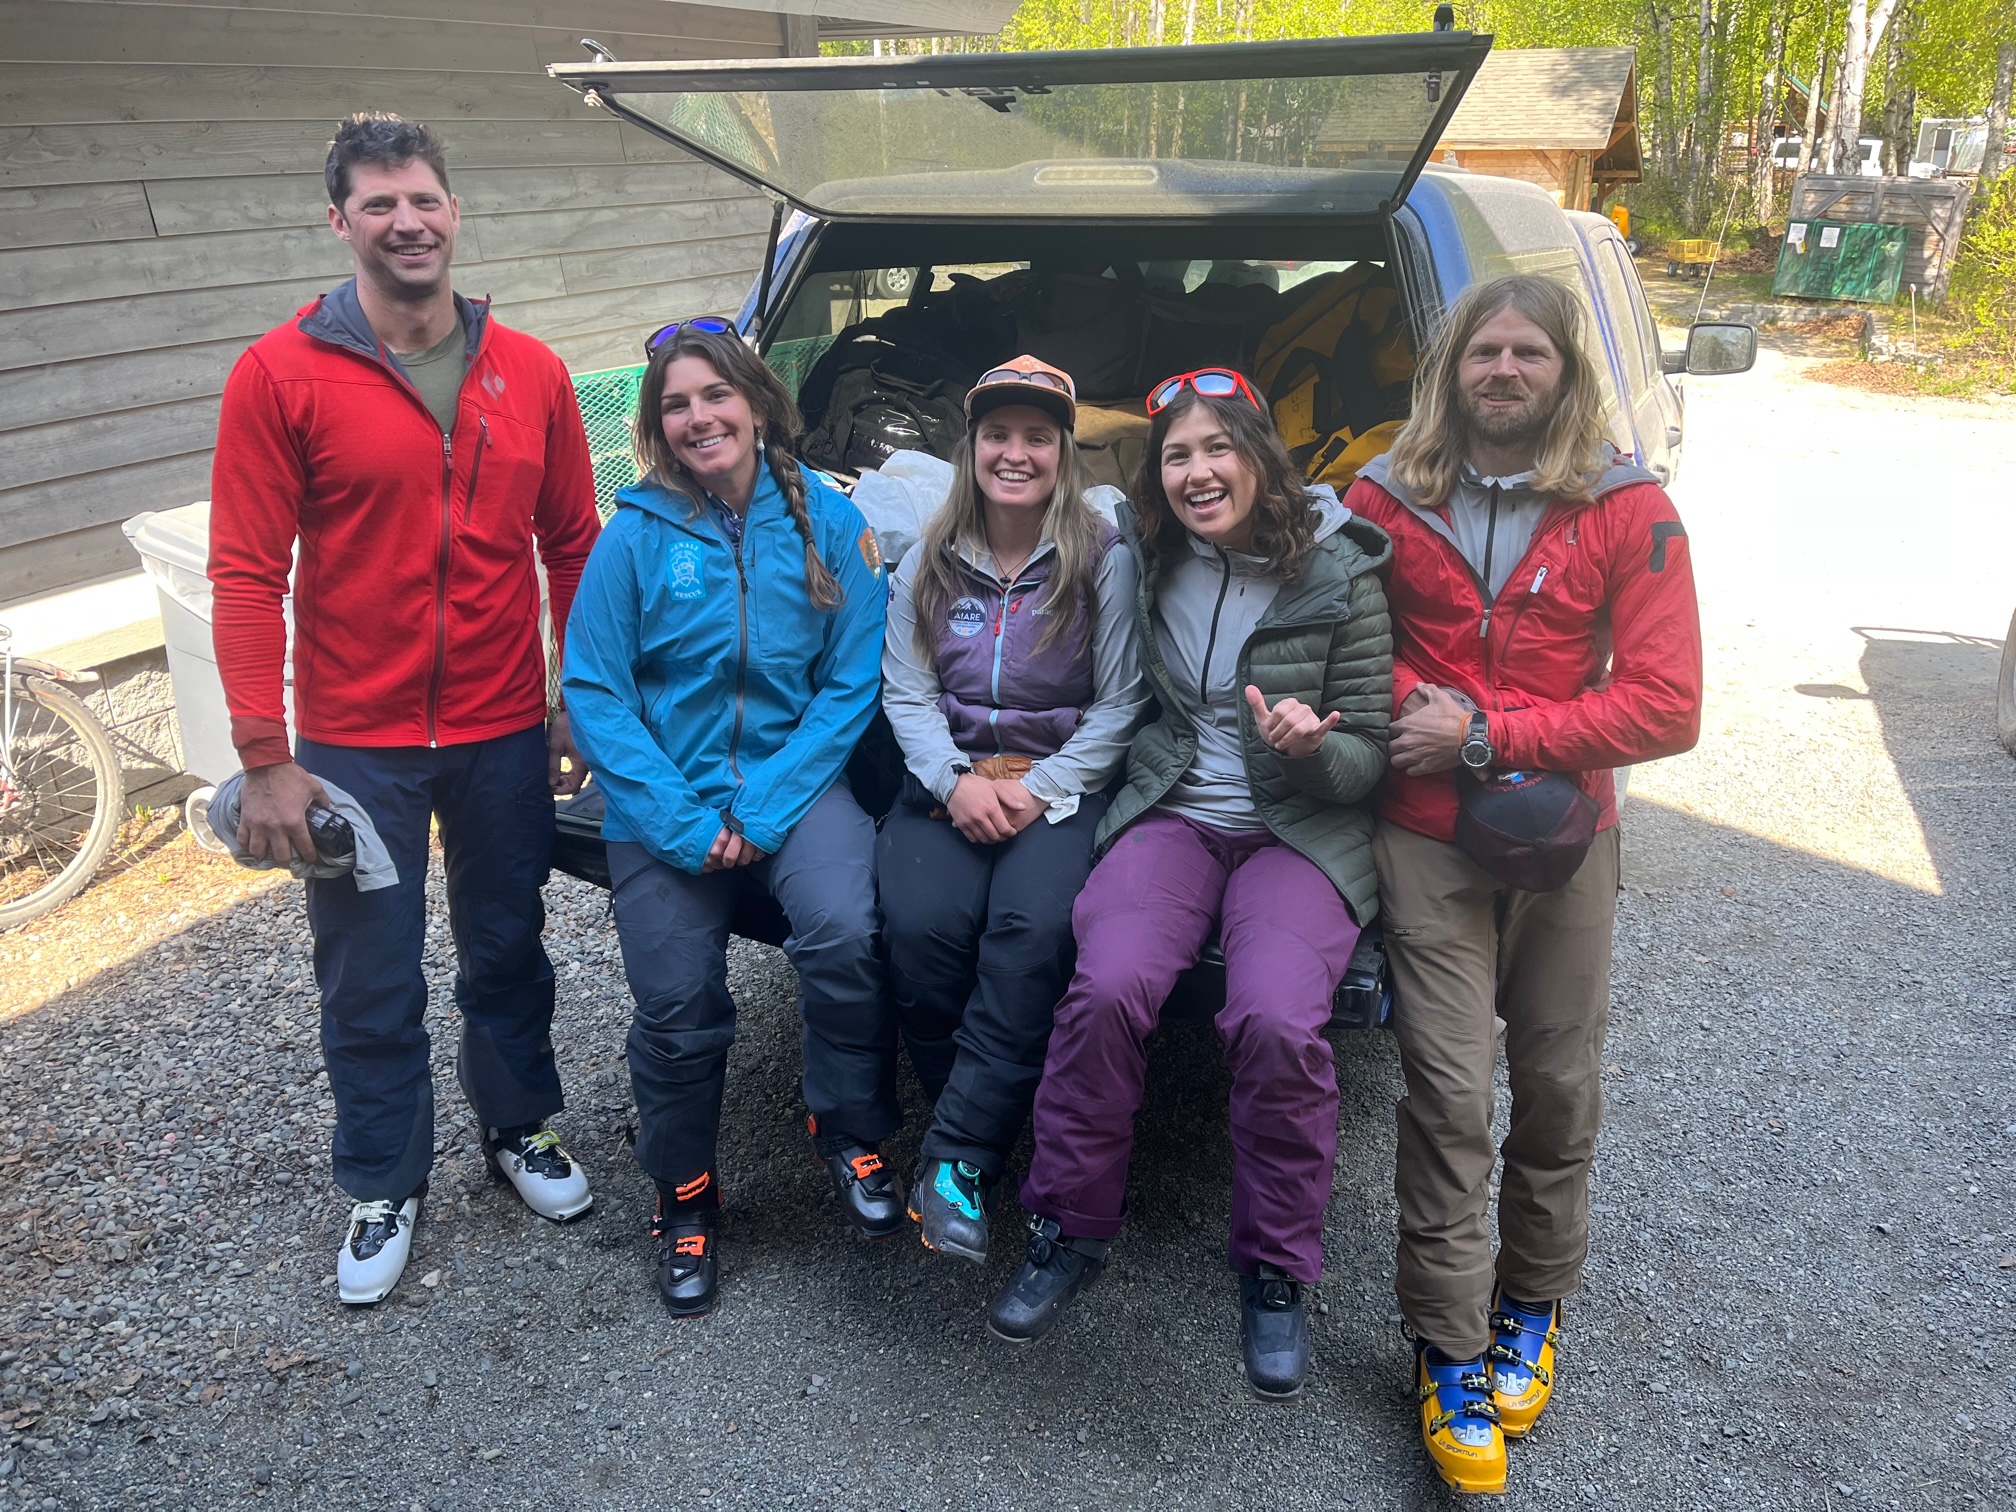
<point x="61" y="798"/>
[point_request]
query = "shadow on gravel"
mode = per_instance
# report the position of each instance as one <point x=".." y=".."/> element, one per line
<point x="1935" y="695"/>
<point x="1804" y="1255"/>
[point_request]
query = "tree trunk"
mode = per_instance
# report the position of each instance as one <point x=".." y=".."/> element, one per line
<point x="1662" y="90"/>
<point x="1701" y="131"/>
<point x="1809" y="148"/>
<point x="1867" y="20"/>
<point x="1900" y="102"/>
<point x="1158" y="20"/>
<point x="1242" y="26"/>
<point x="1764" y="129"/>
<point x="1996" y="159"/>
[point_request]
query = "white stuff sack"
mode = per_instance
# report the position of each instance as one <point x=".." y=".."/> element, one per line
<point x="898" y="499"/>
<point x="1104" y="499"/>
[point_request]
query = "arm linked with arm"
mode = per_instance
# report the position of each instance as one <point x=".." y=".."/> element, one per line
<point x="1098" y="747"/>
<point x="1357" y="684"/>
<point x="607" y="710"/>
<point x="1651" y="705"/>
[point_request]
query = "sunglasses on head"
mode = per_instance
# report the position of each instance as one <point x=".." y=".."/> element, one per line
<point x="1212" y="383"/>
<point x="1016" y="375"/>
<point x="714" y="325"/>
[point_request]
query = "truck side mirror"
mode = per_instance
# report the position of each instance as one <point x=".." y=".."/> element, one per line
<point x="1718" y="347"/>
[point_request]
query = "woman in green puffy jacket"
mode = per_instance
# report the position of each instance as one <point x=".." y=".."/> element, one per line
<point x="1265" y="639"/>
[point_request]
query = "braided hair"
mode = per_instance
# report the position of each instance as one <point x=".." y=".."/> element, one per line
<point x="778" y="428"/>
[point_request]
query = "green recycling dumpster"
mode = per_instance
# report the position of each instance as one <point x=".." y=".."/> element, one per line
<point x="1851" y="260"/>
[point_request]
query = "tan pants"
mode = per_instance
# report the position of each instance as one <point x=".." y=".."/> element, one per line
<point x="1462" y="944"/>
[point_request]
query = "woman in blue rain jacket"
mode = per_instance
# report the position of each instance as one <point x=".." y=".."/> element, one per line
<point x="723" y="657"/>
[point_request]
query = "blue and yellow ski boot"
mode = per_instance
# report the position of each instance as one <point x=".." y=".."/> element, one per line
<point x="1459" y="1421"/>
<point x="1522" y="1360"/>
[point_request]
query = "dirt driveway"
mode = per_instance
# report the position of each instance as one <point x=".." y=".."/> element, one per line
<point x="1805" y="1240"/>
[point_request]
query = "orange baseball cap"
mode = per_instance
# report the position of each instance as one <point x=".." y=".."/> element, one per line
<point x="1025" y="380"/>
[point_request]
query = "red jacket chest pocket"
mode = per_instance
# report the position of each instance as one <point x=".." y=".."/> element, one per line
<point x="499" y="483"/>
<point x="1552" y="644"/>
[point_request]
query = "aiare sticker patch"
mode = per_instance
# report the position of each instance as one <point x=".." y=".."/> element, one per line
<point x="871" y="549"/>
<point x="966" y="617"/>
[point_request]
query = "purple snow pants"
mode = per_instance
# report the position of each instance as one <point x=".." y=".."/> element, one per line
<point x="1144" y="915"/>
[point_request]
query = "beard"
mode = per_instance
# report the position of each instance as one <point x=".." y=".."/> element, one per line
<point x="1510" y="427"/>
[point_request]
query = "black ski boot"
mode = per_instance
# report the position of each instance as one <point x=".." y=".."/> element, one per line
<point x="1057" y="1267"/>
<point x="871" y="1198"/>
<point x="689" y="1270"/>
<point x="1273" y="1334"/>
<point x="949" y="1200"/>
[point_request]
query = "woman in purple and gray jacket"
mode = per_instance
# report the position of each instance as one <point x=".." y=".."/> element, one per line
<point x="1011" y="678"/>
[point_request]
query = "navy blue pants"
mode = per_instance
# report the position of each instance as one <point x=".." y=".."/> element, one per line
<point x="496" y="818"/>
<point x="980" y="949"/>
<point x="673" y="927"/>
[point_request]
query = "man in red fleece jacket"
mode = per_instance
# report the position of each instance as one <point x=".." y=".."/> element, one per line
<point x="1543" y="622"/>
<point x="414" y="452"/>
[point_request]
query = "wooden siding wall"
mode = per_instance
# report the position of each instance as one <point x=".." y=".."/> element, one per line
<point x="161" y="205"/>
<point x="1562" y="171"/>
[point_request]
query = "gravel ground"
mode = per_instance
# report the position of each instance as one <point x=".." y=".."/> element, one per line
<point x="1804" y="1255"/>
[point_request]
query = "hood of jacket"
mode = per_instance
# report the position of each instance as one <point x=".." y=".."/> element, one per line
<point x="338" y="318"/>
<point x="1619" y="471"/>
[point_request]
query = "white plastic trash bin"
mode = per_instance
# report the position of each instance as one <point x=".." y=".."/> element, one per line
<point x="174" y="547"/>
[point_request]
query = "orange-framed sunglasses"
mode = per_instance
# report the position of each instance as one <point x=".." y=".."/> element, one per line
<point x="1212" y="383"/>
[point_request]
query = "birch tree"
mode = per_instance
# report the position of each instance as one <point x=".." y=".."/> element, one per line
<point x="1867" y="20"/>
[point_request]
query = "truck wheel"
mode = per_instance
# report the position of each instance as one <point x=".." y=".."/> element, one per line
<point x="895" y="283"/>
<point x="2005" y="693"/>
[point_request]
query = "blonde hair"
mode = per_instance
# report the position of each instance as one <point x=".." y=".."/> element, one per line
<point x="1074" y="532"/>
<point x="1428" y="452"/>
<point x="778" y="424"/>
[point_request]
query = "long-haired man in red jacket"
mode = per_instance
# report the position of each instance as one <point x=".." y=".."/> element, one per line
<point x="1544" y="633"/>
<point x="417" y="454"/>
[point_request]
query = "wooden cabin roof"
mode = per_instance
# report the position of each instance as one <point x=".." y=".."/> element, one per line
<point x="1575" y="97"/>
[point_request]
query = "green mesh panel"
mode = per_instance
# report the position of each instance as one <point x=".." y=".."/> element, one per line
<point x="608" y="402"/>
<point x="792" y="360"/>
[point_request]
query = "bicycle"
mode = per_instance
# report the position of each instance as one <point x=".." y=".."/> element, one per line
<point x="62" y="793"/>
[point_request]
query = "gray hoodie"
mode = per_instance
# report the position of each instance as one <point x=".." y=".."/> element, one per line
<point x="1205" y="608"/>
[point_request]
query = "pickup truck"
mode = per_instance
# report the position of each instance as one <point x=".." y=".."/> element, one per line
<point x="1125" y="213"/>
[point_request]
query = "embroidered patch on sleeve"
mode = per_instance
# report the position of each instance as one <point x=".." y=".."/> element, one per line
<point x="871" y="549"/>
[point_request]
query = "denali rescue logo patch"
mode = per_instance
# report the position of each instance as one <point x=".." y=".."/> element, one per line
<point x="967" y="617"/>
<point x="871" y="550"/>
<point x="682" y="568"/>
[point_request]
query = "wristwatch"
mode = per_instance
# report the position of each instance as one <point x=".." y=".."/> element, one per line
<point x="1475" y="751"/>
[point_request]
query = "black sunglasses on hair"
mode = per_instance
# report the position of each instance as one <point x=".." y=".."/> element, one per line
<point x="714" y="325"/>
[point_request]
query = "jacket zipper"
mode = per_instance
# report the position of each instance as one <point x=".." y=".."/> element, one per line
<point x="476" y="469"/>
<point x="1211" y="640"/>
<point x="1519" y="610"/>
<point x="741" y="660"/>
<point x="439" y="669"/>
<point x="1001" y="614"/>
<point x="441" y="591"/>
